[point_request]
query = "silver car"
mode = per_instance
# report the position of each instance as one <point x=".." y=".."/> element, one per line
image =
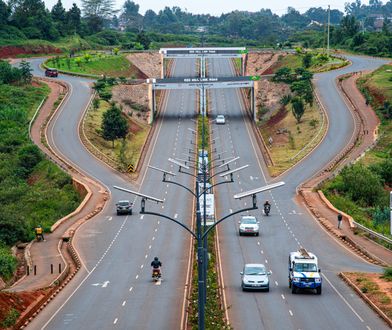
<point x="220" y="119"/>
<point x="248" y="226"/>
<point x="255" y="277"/>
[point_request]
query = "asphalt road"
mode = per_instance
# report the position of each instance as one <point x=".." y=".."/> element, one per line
<point x="114" y="288"/>
<point x="289" y="225"/>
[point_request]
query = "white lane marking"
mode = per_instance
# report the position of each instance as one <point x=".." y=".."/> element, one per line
<point x="283" y="297"/>
<point x="262" y="252"/>
<point x="137" y="276"/>
<point x="258" y="243"/>
<point x="230" y="210"/>
<point x="124" y="302"/>
<point x="175" y="216"/>
<point x="141" y="266"/>
<point x="146" y="256"/>
<point x="131" y="288"/>
<point x="153" y="238"/>
<point x="158" y="222"/>
<point x="142" y="216"/>
<point x="115" y="321"/>
<point x="345" y="301"/>
<point x="266" y="261"/>
<point x="367" y="327"/>
<point x="110" y="218"/>
<point x="276" y="283"/>
<point x="291" y="313"/>
<point x="149" y="247"/>
<point x="156" y="229"/>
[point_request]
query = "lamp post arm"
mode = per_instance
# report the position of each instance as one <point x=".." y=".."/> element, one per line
<point x="187" y="173"/>
<point x="214" y="185"/>
<point x="181" y="185"/>
<point x="227" y="216"/>
<point x="171" y="219"/>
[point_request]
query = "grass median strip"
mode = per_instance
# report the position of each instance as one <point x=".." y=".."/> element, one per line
<point x="214" y="310"/>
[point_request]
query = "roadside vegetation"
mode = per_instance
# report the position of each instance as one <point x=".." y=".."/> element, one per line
<point x="32" y="190"/>
<point x="94" y="63"/>
<point x="376" y="287"/>
<point x="298" y="125"/>
<point x="214" y="312"/>
<point x="115" y="135"/>
<point x="362" y="190"/>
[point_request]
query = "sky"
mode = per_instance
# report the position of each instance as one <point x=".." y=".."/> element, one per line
<point x="217" y="7"/>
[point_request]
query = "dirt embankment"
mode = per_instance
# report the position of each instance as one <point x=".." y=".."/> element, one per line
<point x="269" y="93"/>
<point x="133" y="100"/>
<point x="12" y="51"/>
<point x="148" y="63"/>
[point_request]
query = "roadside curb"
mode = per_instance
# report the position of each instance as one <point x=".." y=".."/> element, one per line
<point x="366" y="299"/>
<point x="65" y="277"/>
<point x="331" y="170"/>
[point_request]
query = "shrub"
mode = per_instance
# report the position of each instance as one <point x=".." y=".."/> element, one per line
<point x="387" y="274"/>
<point x="10" y="319"/>
<point x="362" y="185"/>
<point x="7" y="263"/>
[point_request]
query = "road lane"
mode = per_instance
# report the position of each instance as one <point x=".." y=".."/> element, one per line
<point x="115" y="251"/>
<point x="288" y="227"/>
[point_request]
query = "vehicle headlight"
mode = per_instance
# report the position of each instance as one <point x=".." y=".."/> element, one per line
<point x="296" y="279"/>
<point x="318" y="280"/>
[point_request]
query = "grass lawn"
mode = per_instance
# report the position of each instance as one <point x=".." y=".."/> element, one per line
<point x="123" y="153"/>
<point x="296" y="141"/>
<point x="95" y="64"/>
<point x="294" y="61"/>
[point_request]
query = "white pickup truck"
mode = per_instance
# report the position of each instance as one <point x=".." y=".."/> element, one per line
<point x="304" y="272"/>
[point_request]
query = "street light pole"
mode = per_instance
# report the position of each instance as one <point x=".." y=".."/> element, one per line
<point x="200" y="257"/>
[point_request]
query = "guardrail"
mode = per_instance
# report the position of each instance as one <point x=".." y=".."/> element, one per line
<point x="373" y="233"/>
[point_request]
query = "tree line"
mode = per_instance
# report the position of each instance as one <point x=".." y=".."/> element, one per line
<point x="355" y="28"/>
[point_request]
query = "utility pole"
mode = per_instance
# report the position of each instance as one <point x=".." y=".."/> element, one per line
<point x="329" y="19"/>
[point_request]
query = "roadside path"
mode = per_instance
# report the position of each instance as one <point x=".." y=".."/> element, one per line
<point x="47" y="253"/>
<point x="367" y="126"/>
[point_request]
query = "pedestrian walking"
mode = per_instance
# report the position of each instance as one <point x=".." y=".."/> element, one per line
<point x="340" y="218"/>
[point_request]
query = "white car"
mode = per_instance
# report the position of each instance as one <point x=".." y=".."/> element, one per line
<point x="220" y="119"/>
<point x="248" y="226"/>
<point x="255" y="277"/>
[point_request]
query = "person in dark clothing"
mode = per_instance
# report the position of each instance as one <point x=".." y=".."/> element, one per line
<point x="340" y="218"/>
<point x="156" y="263"/>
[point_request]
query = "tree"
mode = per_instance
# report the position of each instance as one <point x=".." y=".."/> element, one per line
<point x="26" y="69"/>
<point x="143" y="39"/>
<point x="97" y="12"/>
<point x="5" y="12"/>
<point x="298" y="108"/>
<point x="130" y="16"/>
<point x="114" y="125"/>
<point x="303" y="88"/>
<point x="283" y="75"/>
<point x="73" y="19"/>
<point x="58" y="12"/>
<point x="307" y="60"/>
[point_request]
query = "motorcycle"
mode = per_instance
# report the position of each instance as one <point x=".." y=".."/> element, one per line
<point x="267" y="209"/>
<point x="39" y="237"/>
<point x="156" y="274"/>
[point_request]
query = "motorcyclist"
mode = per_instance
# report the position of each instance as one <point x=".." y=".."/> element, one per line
<point x="156" y="265"/>
<point x="267" y="206"/>
<point x="39" y="232"/>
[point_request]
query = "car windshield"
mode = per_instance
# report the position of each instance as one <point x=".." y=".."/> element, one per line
<point x="305" y="267"/>
<point x="220" y="117"/>
<point x="254" y="270"/>
<point x="248" y="221"/>
<point x="123" y="203"/>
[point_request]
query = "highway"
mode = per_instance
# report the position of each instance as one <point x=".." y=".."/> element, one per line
<point x="114" y="287"/>
<point x="289" y="226"/>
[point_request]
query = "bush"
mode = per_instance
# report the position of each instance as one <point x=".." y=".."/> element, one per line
<point x="387" y="274"/>
<point x="7" y="263"/>
<point x="362" y="185"/>
<point x="10" y="319"/>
